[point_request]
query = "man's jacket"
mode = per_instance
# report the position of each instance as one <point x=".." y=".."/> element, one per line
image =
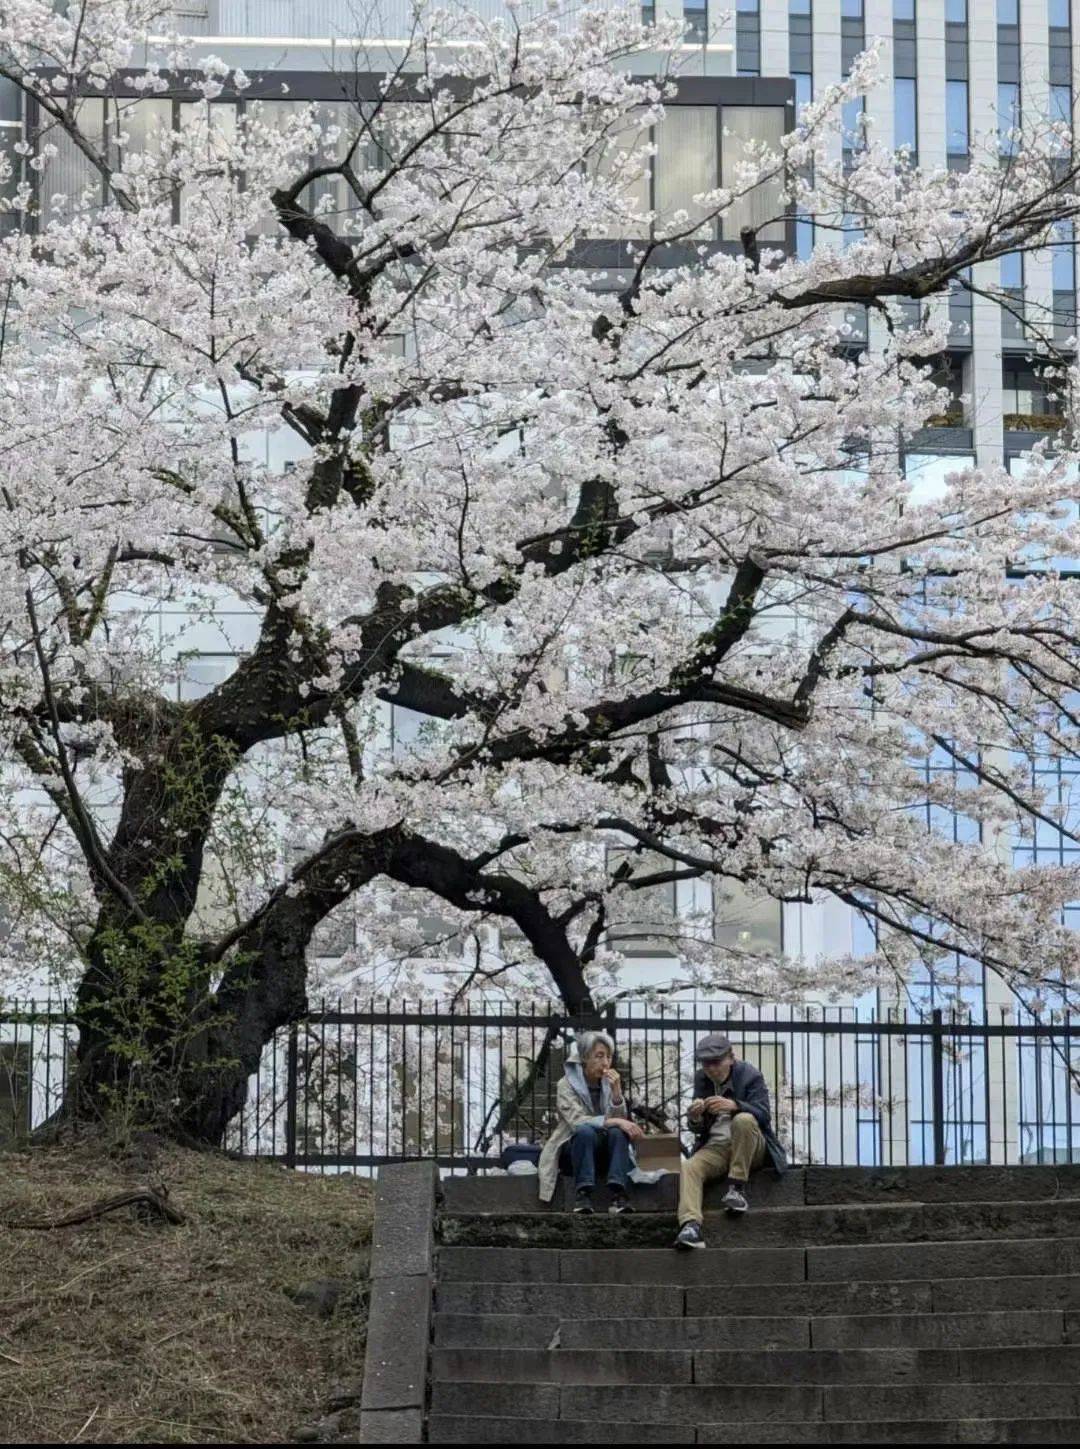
<point x="747" y="1087"/>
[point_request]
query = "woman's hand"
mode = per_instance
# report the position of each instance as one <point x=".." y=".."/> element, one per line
<point x="632" y="1130"/>
<point x="612" y="1076"/>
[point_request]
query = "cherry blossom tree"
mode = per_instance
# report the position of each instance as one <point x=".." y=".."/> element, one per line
<point x="638" y="548"/>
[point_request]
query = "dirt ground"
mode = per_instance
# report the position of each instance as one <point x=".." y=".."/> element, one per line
<point x="139" y="1331"/>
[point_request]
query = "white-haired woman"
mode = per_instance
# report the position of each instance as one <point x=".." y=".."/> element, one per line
<point x="593" y="1133"/>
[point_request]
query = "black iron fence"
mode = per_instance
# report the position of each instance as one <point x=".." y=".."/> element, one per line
<point x="353" y="1085"/>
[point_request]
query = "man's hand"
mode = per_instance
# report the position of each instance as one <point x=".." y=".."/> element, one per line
<point x="632" y="1130"/>
<point x="696" y="1107"/>
<point x="720" y="1104"/>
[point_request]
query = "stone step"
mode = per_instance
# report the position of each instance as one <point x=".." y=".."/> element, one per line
<point x="841" y="1225"/>
<point x="801" y="1186"/>
<point x="601" y="1405"/>
<point x="896" y="1431"/>
<point x="1016" y="1328"/>
<point x="621" y="1300"/>
<point x="707" y="1404"/>
<point x="1019" y="1257"/>
<point x="957" y="1295"/>
<point x="896" y="1262"/>
<point x="807" y="1300"/>
<point x="672" y="1405"/>
<point x="1020" y="1366"/>
<point x="466" y="1429"/>
<point x="570" y="1366"/>
<point x="841" y="1331"/>
<point x="496" y="1330"/>
<point x="504" y="1196"/>
<point x="662" y="1266"/>
<point x="824" y="1186"/>
<point x="565" y="1300"/>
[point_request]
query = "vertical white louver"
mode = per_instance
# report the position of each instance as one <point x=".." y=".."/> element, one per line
<point x="192" y="17"/>
<point x="312" y="19"/>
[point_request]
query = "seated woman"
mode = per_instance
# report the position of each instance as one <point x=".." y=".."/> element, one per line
<point x="593" y="1132"/>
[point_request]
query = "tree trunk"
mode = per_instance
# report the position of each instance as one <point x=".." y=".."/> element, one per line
<point x="165" y="1044"/>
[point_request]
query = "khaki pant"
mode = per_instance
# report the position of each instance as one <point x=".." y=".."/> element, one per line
<point x="736" y="1158"/>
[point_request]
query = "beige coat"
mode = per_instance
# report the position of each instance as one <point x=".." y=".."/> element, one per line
<point x="572" y="1112"/>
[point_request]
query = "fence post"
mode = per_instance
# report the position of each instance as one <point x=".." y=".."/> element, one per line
<point x="291" y="1076"/>
<point x="937" y="1072"/>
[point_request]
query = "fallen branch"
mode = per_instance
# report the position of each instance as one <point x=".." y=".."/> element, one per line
<point x="141" y="1197"/>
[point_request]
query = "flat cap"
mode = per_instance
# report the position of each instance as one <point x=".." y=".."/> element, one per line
<point x="711" y="1046"/>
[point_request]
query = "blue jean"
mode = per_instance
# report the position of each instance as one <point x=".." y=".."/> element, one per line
<point x="591" y="1148"/>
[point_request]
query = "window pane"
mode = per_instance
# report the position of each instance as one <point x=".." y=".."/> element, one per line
<point x="1012" y="270"/>
<point x="345" y="115"/>
<point x="804" y="90"/>
<point x="928" y="473"/>
<point x="219" y="120"/>
<point x="746" y="921"/>
<point x="742" y="125"/>
<point x="696" y="17"/>
<point x="621" y="159"/>
<point x="1008" y="12"/>
<point x="221" y="116"/>
<point x="643" y="922"/>
<point x="1059" y="14"/>
<point x="853" y="131"/>
<point x="685" y="160"/>
<point x="956" y="12"/>
<point x="142" y="122"/>
<point x="800" y="7"/>
<point x="903" y="9"/>
<point x="202" y="673"/>
<point x="275" y="116"/>
<point x="1061" y="104"/>
<point x="956" y="117"/>
<point x="1026" y="394"/>
<point x="331" y="196"/>
<point x="69" y="175"/>
<point x="804" y="239"/>
<point x="906" y="133"/>
<point x="1008" y="105"/>
<point x="1063" y="262"/>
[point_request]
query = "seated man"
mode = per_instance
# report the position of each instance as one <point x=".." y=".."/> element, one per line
<point x="593" y="1132"/>
<point x="730" y="1115"/>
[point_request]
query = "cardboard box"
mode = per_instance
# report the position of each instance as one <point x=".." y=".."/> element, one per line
<point x="659" y="1152"/>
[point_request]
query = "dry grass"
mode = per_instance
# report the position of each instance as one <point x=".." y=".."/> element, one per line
<point x="123" y="1331"/>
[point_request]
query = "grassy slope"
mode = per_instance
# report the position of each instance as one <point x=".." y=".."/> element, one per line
<point x="122" y="1331"/>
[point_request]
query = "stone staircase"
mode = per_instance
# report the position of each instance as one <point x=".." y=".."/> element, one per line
<point x="911" y="1306"/>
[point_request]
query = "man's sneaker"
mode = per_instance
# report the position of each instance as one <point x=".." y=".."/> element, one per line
<point x="690" y="1236"/>
<point x="620" y="1203"/>
<point x="734" y="1200"/>
<point x="583" y="1200"/>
